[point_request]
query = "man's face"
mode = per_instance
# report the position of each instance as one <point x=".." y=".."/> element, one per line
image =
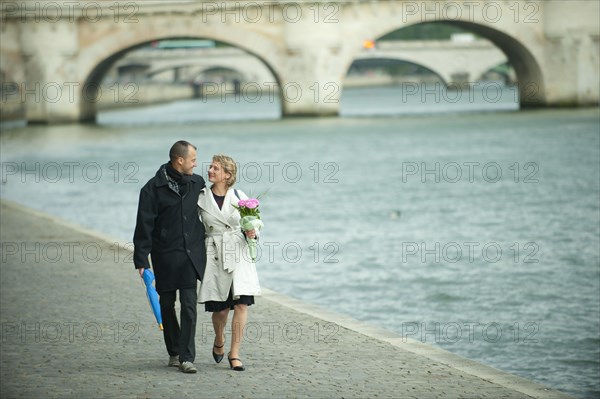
<point x="189" y="162"/>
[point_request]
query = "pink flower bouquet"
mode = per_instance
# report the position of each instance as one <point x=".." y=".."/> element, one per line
<point x="250" y="221"/>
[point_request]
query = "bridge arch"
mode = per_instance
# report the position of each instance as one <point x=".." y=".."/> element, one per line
<point x="489" y="67"/>
<point x="530" y="79"/>
<point x="97" y="59"/>
<point x="529" y="74"/>
<point x="430" y="67"/>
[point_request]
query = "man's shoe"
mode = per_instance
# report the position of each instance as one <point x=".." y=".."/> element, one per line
<point x="187" y="367"/>
<point x="173" y="361"/>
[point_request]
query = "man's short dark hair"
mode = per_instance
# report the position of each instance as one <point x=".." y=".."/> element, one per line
<point x="180" y="149"/>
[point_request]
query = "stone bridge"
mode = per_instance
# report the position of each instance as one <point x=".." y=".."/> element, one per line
<point x="57" y="52"/>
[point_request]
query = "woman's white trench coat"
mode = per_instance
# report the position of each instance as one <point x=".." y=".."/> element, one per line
<point x="228" y="263"/>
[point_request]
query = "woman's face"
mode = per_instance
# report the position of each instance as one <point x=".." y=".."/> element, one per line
<point x="216" y="173"/>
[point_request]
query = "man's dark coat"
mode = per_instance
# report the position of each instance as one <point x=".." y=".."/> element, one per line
<point x="169" y="229"/>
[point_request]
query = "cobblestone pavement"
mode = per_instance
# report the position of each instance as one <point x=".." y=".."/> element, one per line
<point x="75" y="322"/>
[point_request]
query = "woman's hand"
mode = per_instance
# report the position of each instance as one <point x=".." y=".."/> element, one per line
<point x="250" y="234"/>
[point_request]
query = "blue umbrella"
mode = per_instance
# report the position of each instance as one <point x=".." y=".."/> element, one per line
<point x="153" y="296"/>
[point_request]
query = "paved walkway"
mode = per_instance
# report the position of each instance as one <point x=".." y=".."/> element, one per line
<point x="75" y="323"/>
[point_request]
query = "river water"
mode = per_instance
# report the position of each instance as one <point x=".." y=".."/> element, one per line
<point x="478" y="231"/>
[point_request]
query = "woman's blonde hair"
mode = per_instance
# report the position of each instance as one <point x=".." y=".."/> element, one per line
<point x="229" y="166"/>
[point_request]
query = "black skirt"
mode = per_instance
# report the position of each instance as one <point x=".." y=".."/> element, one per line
<point x="216" y="306"/>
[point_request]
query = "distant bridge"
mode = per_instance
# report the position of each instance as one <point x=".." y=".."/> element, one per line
<point x="308" y="46"/>
<point x="445" y="58"/>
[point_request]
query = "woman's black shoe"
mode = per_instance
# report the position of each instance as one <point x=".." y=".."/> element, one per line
<point x="236" y="368"/>
<point x="216" y="356"/>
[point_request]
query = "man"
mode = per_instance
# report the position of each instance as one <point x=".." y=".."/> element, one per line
<point x="169" y="230"/>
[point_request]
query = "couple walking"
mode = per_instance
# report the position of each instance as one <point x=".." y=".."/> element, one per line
<point x="192" y="233"/>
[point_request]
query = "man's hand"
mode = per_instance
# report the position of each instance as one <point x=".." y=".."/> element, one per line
<point x="250" y="234"/>
<point x="141" y="269"/>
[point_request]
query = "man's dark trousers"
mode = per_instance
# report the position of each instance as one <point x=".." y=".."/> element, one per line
<point x="180" y="341"/>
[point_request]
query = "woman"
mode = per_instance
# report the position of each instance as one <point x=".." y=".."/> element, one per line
<point x="230" y="280"/>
